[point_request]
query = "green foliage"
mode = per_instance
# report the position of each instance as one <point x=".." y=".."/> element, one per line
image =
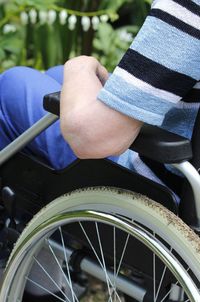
<point x="113" y="5"/>
<point x="37" y="4"/>
<point x="109" y="44"/>
<point x="43" y="43"/>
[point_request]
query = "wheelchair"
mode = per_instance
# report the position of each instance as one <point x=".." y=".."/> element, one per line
<point x="107" y="228"/>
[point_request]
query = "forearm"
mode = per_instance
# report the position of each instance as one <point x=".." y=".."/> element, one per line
<point x="92" y="129"/>
<point x="99" y="131"/>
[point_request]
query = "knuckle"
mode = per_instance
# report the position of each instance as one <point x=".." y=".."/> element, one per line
<point x="80" y="60"/>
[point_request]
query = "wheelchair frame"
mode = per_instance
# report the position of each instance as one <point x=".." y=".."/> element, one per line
<point x="184" y="166"/>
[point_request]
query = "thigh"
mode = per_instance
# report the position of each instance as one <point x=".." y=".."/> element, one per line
<point x="56" y="73"/>
<point x="21" y="104"/>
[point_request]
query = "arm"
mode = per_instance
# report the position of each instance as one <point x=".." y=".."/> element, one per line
<point x="159" y="68"/>
<point x="161" y="65"/>
<point x="92" y="129"/>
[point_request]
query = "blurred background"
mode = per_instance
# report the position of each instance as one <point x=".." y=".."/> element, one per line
<point x="44" y="33"/>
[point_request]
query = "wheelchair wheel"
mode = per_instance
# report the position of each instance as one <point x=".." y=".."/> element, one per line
<point x="126" y="245"/>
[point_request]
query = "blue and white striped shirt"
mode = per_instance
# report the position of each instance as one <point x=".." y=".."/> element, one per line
<point x="157" y="80"/>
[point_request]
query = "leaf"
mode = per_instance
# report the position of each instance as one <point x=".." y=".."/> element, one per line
<point x="113" y="5"/>
<point x="105" y="34"/>
<point x="12" y="44"/>
<point x="37" y="4"/>
<point x="2" y="55"/>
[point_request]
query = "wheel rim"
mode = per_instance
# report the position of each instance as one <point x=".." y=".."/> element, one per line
<point x="27" y="249"/>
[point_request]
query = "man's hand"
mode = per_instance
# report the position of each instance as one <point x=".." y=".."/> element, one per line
<point x="92" y="129"/>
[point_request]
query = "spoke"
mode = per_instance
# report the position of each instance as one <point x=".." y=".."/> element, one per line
<point x="163" y="299"/>
<point x="123" y="252"/>
<point x="114" y="260"/>
<point x="93" y="249"/>
<point x="104" y="264"/>
<point x="160" y="284"/>
<point x="113" y="288"/>
<point x="67" y="265"/>
<point x="45" y="289"/>
<point x="60" y="267"/>
<point x="168" y="292"/>
<point x="125" y="246"/>
<point x="121" y="258"/>
<point x="40" y="265"/>
<point x="117" y="296"/>
<point x="171" y="288"/>
<point x="161" y="280"/>
<point x="154" y="275"/>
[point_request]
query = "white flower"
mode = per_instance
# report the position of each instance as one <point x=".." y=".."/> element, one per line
<point x="51" y="16"/>
<point x="104" y="18"/>
<point x="9" y="28"/>
<point x="24" y="18"/>
<point x="33" y="16"/>
<point x="63" y="17"/>
<point x="95" y="22"/>
<point x="125" y="36"/>
<point x="85" y="22"/>
<point x="43" y="16"/>
<point x="72" y="22"/>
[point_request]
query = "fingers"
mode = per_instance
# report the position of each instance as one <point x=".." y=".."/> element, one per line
<point x="85" y="63"/>
<point x="102" y="73"/>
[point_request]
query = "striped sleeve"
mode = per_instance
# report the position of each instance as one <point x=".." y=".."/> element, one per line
<point x="162" y="64"/>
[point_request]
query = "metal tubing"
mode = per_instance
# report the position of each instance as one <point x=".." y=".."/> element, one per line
<point x="193" y="177"/>
<point x="128" y="287"/>
<point x="27" y="136"/>
<point x="88" y="266"/>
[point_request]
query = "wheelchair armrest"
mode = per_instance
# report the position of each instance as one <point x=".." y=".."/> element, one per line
<point x="162" y="146"/>
<point x="152" y="142"/>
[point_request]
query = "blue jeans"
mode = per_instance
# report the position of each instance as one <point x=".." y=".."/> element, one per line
<point x="21" y="105"/>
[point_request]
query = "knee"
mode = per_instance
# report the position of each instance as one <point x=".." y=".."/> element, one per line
<point x="15" y="71"/>
<point x="26" y="87"/>
<point x="11" y="87"/>
<point x="13" y="81"/>
<point x="14" y="91"/>
<point x="14" y="76"/>
<point x="56" y="73"/>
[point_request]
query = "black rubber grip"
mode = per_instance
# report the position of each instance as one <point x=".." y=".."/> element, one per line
<point x="51" y="103"/>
